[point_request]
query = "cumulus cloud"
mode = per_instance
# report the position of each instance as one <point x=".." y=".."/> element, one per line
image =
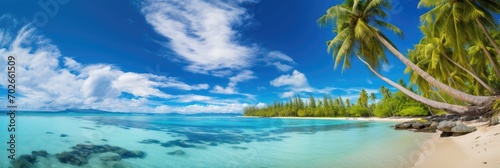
<point x="202" y="33"/>
<point x="49" y="81"/>
<point x="296" y="79"/>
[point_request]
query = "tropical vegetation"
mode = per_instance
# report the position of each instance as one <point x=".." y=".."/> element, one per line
<point x="454" y="67"/>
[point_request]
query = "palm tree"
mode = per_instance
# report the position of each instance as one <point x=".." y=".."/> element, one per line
<point x="456" y="16"/>
<point x="356" y="37"/>
<point x="373" y="98"/>
<point x="363" y="98"/>
<point x="433" y="56"/>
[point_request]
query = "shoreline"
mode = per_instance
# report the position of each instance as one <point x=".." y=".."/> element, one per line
<point x="477" y="149"/>
<point x="391" y="119"/>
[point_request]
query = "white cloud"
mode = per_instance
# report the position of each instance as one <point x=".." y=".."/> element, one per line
<point x="230" y="89"/>
<point x="202" y="33"/>
<point x="369" y="81"/>
<point x="197" y="108"/>
<point x="297" y="79"/>
<point x="45" y="84"/>
<point x="193" y="98"/>
<point x="279" y="60"/>
<point x="387" y="67"/>
<point x="233" y="81"/>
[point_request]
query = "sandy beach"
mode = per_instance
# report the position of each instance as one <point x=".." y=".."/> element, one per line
<point x="394" y="119"/>
<point x="477" y="149"/>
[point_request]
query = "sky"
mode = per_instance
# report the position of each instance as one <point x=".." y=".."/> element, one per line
<point x="184" y="56"/>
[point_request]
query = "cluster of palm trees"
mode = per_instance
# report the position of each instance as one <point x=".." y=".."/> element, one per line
<point x="456" y="64"/>
<point x="391" y="104"/>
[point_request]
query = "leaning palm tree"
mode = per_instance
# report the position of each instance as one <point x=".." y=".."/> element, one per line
<point x="460" y="17"/>
<point x="353" y="20"/>
<point x="433" y="56"/>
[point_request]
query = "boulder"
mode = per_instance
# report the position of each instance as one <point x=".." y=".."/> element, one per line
<point x="428" y="123"/>
<point x="434" y="125"/>
<point x="446" y="126"/>
<point x="461" y="129"/>
<point x="493" y="121"/>
<point x="177" y="153"/>
<point x="404" y="125"/>
<point x="418" y="125"/>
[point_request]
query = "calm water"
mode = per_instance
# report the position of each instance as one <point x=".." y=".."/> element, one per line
<point x="217" y="141"/>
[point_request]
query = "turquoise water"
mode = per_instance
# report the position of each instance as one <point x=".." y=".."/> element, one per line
<point x="213" y="141"/>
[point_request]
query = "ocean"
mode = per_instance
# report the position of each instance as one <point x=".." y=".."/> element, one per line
<point x="102" y="140"/>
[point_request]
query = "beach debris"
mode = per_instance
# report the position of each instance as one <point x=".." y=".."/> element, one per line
<point x="177" y="153"/>
<point x="462" y="129"/>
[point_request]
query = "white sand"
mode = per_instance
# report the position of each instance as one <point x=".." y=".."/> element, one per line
<point x="395" y="119"/>
<point x="477" y="149"/>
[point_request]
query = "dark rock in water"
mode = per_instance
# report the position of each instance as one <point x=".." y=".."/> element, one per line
<point x="462" y="129"/>
<point x="177" y="143"/>
<point x="71" y="158"/>
<point x="105" y="140"/>
<point x="24" y="161"/>
<point x="81" y="152"/>
<point x="130" y="154"/>
<point x="239" y="148"/>
<point x="446" y="126"/>
<point x="446" y="134"/>
<point x="212" y="144"/>
<point x="150" y="141"/>
<point x="41" y="153"/>
<point x="177" y="153"/>
<point x="418" y="125"/>
<point x="493" y="121"/>
<point x="49" y="132"/>
<point x="110" y="157"/>
<point x="63" y="135"/>
<point x="87" y="142"/>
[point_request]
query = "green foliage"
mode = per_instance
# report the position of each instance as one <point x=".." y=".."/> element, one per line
<point x="413" y="111"/>
<point x="358" y="111"/>
<point x="392" y="104"/>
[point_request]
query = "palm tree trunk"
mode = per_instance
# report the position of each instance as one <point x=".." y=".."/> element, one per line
<point x="495" y="45"/>
<point x="490" y="58"/>
<point x="474" y="100"/>
<point x="439" y="105"/>
<point x="489" y="88"/>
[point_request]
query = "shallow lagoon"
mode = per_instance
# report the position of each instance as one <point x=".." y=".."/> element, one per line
<point x="214" y="141"/>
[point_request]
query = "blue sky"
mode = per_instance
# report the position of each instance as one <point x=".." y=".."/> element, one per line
<point x="182" y="56"/>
